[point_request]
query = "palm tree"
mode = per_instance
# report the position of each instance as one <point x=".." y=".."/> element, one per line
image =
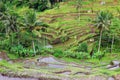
<point x="31" y="23"/>
<point x="102" y="22"/>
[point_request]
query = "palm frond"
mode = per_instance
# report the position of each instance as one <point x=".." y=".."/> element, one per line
<point x="103" y="20"/>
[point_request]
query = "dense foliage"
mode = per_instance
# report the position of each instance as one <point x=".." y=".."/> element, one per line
<point x="21" y="33"/>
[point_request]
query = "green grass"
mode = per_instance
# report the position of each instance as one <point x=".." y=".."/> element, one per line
<point x="7" y="67"/>
<point x="13" y="56"/>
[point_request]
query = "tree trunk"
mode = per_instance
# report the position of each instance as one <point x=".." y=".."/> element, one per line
<point x="33" y="45"/>
<point x="100" y="40"/>
<point x="112" y="43"/>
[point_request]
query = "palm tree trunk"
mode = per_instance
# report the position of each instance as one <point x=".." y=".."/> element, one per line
<point x="33" y="45"/>
<point x="100" y="40"/>
<point x="112" y="43"/>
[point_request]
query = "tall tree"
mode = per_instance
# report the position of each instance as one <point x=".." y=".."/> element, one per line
<point x="102" y="22"/>
<point x="31" y="23"/>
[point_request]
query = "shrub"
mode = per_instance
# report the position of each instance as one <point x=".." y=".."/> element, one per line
<point x="83" y="47"/>
<point x="42" y="5"/>
<point x="98" y="55"/>
<point x="69" y="54"/>
<point x="77" y="55"/>
<point x="22" y="51"/>
<point x="47" y="51"/>
<point x="39" y="5"/>
<point x="58" y="53"/>
<point x="82" y="55"/>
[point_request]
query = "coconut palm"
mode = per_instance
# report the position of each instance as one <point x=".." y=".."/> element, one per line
<point x="102" y="22"/>
<point x="31" y="23"/>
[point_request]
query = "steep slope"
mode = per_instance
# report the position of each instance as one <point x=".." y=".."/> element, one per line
<point x="66" y="29"/>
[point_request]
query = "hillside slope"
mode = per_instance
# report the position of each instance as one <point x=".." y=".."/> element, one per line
<point x="66" y="29"/>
